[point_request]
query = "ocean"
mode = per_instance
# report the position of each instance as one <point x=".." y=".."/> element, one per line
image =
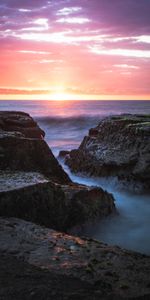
<point x="65" y="124"/>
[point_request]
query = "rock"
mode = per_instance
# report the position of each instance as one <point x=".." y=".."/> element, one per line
<point x="41" y="202"/>
<point x="112" y="272"/>
<point x="24" y="149"/>
<point x="87" y="204"/>
<point x="21" y="280"/>
<point x="119" y="146"/>
<point x="20" y="122"/>
<point x="32" y="197"/>
<point x="62" y="154"/>
<point x="34" y="187"/>
<point x="93" y="132"/>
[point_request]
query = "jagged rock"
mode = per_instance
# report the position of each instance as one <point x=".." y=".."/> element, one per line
<point x="21" y="122"/>
<point x="22" y="147"/>
<point x="119" y="146"/>
<point x="33" y="185"/>
<point x="112" y="272"/>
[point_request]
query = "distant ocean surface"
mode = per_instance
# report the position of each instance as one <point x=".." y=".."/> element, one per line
<point x="65" y="124"/>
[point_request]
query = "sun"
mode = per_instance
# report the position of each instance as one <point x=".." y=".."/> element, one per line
<point x="60" y="96"/>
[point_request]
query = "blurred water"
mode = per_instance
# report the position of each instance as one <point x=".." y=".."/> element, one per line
<point x="128" y="229"/>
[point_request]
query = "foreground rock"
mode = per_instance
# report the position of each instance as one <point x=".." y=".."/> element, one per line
<point x="34" y="187"/>
<point x="111" y="272"/>
<point x="120" y="147"/>
<point x="21" y="281"/>
<point x="32" y="197"/>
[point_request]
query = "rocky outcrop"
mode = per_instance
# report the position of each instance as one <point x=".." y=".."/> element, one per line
<point x="22" y="147"/>
<point x="111" y="272"/>
<point x="119" y="146"/>
<point x="34" y="187"/>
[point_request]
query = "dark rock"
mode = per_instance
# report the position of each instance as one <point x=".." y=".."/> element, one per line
<point x="21" y="122"/>
<point x="42" y="203"/>
<point x="93" y="132"/>
<point x="22" y="281"/>
<point x="119" y="146"/>
<point x="87" y="204"/>
<point x="63" y="154"/>
<point x="104" y="269"/>
<point x="23" y="148"/>
<point x="47" y="203"/>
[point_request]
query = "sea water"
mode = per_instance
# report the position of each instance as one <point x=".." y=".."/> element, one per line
<point x="65" y="124"/>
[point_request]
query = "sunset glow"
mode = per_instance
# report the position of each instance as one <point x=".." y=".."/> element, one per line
<point x="93" y="49"/>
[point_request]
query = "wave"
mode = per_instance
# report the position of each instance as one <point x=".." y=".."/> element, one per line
<point x="66" y="133"/>
<point x="77" y="122"/>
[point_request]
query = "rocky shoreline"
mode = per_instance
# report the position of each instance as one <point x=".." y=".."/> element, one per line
<point x="118" y="147"/>
<point x="34" y="192"/>
<point x="33" y="184"/>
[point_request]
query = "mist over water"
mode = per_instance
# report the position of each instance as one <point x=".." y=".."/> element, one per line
<point x="65" y="124"/>
<point x="129" y="228"/>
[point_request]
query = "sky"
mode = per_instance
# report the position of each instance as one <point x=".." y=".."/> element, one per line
<point x="75" y="49"/>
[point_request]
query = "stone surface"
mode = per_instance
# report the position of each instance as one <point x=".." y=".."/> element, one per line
<point x="112" y="272"/>
<point x="21" y="281"/>
<point x="119" y="146"/>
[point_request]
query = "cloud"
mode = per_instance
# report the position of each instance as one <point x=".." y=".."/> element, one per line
<point x="68" y="11"/>
<point x="41" y="21"/>
<point x="74" y="20"/>
<point x="34" y="52"/>
<point x="50" y="61"/>
<point x="125" y="66"/>
<point x="120" y="52"/>
<point x="144" y="39"/>
<point x="4" y="91"/>
<point x="24" y="10"/>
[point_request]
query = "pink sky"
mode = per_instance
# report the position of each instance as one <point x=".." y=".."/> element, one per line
<point x="71" y="49"/>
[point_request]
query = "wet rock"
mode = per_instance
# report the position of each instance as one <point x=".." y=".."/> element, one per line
<point x="120" y="147"/>
<point x="88" y="204"/>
